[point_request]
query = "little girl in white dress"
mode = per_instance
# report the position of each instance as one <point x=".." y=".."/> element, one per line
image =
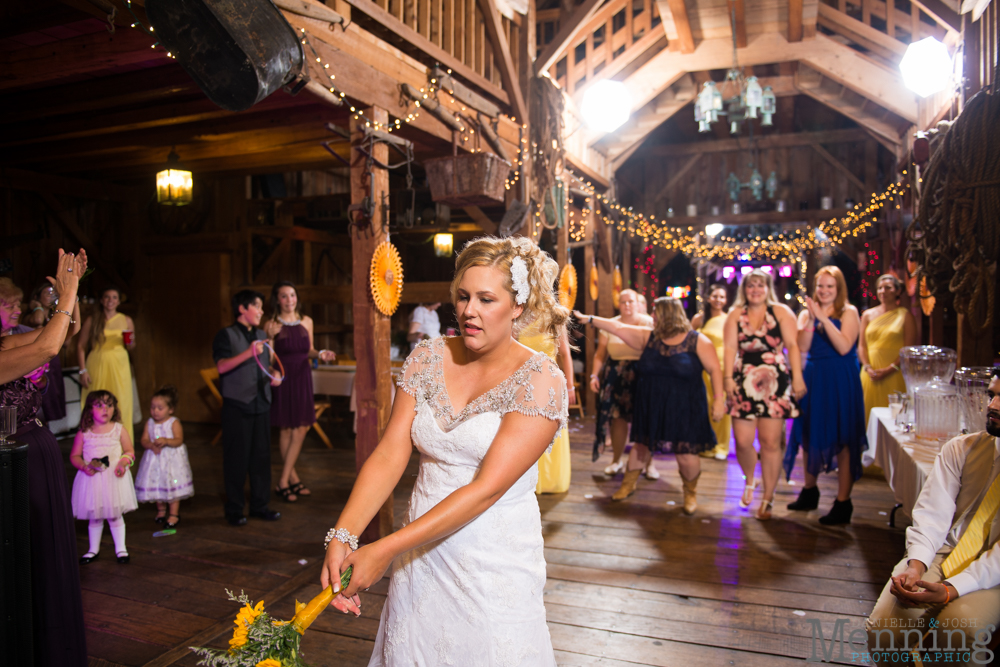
<point x="164" y="472"/>
<point x="102" y="453"/>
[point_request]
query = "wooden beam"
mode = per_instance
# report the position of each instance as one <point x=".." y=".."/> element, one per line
<point x="839" y="166"/>
<point x="502" y="58"/>
<point x="573" y="162"/>
<point x="431" y="52"/>
<point x="795" y="10"/>
<point x="676" y="176"/>
<point x="685" y="38"/>
<point x="737" y="15"/>
<point x="811" y="82"/>
<point x="864" y="35"/>
<point x="372" y="383"/>
<point x="765" y="142"/>
<point x="67" y="223"/>
<point x="481" y="219"/>
<point x="941" y="13"/>
<point x="79" y="56"/>
<point x="569" y="28"/>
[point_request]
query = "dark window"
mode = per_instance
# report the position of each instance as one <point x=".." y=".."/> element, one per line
<point x="561" y="69"/>
<point x="638" y="6"/>
<point x="598" y="68"/>
<point x="550" y="31"/>
<point x="656" y="21"/>
<point x="580" y="82"/>
<point x="599" y="37"/>
<point x="580" y="53"/>
<point x="620" y="50"/>
<point x="618" y="21"/>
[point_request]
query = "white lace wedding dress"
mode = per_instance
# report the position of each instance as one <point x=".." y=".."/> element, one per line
<point x="473" y="598"/>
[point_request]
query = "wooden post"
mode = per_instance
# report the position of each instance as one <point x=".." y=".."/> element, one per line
<point x="589" y="307"/>
<point x="373" y="381"/>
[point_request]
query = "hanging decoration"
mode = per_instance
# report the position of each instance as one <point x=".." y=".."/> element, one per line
<point x="174" y="184"/>
<point x="386" y="278"/>
<point x="567" y="286"/>
<point x="616" y="290"/>
<point x="593" y="282"/>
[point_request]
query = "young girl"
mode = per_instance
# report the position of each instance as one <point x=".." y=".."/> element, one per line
<point x="102" y="452"/>
<point x="164" y="472"/>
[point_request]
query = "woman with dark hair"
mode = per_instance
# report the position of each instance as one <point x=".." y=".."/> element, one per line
<point x="670" y="411"/>
<point x="103" y="354"/>
<point x="762" y="388"/>
<point x="711" y="321"/>
<point x="57" y="609"/>
<point x="44" y="300"/>
<point x="831" y="424"/>
<point x="885" y="330"/>
<point x="293" y="406"/>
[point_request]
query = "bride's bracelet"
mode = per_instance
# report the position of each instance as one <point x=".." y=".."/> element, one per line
<point x="342" y="536"/>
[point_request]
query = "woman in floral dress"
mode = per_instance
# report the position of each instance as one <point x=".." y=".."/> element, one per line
<point x="762" y="392"/>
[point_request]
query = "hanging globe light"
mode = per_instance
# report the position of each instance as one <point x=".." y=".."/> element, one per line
<point x="926" y="67"/>
<point x="606" y="106"/>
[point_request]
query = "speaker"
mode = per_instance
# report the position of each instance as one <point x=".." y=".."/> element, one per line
<point x="15" y="555"/>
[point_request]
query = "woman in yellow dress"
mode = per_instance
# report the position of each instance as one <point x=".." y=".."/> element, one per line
<point x="711" y="322"/>
<point x="885" y="330"/>
<point x="554" y="466"/>
<point x="102" y="354"/>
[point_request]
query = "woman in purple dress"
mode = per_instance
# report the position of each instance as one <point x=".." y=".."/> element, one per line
<point x="292" y="406"/>
<point x="57" y="608"/>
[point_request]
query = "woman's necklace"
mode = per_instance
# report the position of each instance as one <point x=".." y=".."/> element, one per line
<point x="289" y="324"/>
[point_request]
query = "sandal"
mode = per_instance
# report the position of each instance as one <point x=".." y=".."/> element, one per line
<point x="300" y="489"/>
<point x="764" y="511"/>
<point x="747" y="498"/>
<point x="286" y="494"/>
<point x="172" y="524"/>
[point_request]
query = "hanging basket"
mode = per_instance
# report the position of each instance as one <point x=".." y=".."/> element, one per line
<point x="474" y="179"/>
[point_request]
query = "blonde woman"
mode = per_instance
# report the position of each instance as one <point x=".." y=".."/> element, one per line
<point x="613" y="380"/>
<point x="711" y="321"/>
<point x="885" y="330"/>
<point x="762" y="383"/>
<point x="481" y="409"/>
<point x="103" y="355"/>
<point x="831" y="425"/>
<point x="671" y="411"/>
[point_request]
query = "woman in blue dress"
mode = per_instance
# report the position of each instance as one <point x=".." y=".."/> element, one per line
<point x="831" y="424"/>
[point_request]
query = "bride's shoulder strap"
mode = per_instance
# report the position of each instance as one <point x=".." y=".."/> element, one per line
<point x="420" y="367"/>
<point x="540" y="390"/>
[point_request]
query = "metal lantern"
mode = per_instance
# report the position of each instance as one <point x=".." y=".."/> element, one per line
<point x="444" y="244"/>
<point x="174" y="185"/>
<point x="754" y="97"/>
<point x="772" y="185"/>
<point x="757" y="184"/>
<point x="769" y="105"/>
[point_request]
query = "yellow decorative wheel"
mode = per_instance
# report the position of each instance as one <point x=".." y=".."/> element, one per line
<point x="386" y="277"/>
<point x="617" y="279"/>
<point x="567" y="286"/>
<point x="593" y="282"/>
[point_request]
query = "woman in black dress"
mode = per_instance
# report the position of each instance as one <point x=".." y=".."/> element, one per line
<point x="57" y="608"/>
<point x="670" y="410"/>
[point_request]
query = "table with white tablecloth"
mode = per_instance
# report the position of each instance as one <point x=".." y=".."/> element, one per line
<point x="905" y="459"/>
<point x="339" y="381"/>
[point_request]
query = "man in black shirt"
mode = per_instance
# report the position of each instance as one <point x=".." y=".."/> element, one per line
<point x="246" y="409"/>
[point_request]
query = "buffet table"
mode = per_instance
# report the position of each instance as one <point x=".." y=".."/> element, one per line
<point x="905" y="460"/>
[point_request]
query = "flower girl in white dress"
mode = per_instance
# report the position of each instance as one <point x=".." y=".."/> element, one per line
<point x="164" y="475"/>
<point x="468" y="565"/>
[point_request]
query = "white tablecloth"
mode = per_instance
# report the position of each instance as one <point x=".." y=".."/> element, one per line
<point x="339" y="381"/>
<point x="905" y="460"/>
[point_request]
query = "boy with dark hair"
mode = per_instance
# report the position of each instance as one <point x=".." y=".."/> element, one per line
<point x="246" y="409"/>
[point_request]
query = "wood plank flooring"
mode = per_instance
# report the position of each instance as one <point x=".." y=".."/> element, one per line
<point x="631" y="583"/>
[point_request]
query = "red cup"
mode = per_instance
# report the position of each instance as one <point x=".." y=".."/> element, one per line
<point x="450" y="332"/>
<point x="128" y="336"/>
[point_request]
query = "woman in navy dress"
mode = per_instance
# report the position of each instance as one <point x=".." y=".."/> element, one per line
<point x="292" y="405"/>
<point x="670" y="408"/>
<point x="831" y="424"/>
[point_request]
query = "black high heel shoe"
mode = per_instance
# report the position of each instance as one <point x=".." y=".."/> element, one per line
<point x="89" y="557"/>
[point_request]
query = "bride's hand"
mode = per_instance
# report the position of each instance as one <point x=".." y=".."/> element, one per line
<point x="370" y="563"/>
<point x="333" y="565"/>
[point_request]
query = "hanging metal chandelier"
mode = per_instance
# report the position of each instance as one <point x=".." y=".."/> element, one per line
<point x="739" y="97"/>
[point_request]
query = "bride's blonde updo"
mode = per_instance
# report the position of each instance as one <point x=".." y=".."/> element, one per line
<point x="542" y="304"/>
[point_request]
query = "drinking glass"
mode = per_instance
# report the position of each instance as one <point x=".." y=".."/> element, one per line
<point x="8" y="423"/>
<point x="895" y="405"/>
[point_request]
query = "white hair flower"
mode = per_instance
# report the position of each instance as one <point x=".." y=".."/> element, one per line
<point x="519" y="280"/>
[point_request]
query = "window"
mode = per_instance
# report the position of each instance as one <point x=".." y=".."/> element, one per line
<point x="580" y="53"/>
<point x="618" y="21"/>
<point x="599" y="37"/>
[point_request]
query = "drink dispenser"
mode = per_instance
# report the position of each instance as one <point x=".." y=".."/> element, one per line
<point x="927" y="371"/>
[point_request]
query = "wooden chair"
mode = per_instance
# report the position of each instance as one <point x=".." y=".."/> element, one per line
<point x="210" y="376"/>
<point x="578" y="406"/>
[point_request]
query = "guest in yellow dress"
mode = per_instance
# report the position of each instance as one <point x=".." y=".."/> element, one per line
<point x="885" y="329"/>
<point x="711" y="322"/>
<point x="102" y="355"/>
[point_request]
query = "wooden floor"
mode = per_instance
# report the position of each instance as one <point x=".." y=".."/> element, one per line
<point x="633" y="583"/>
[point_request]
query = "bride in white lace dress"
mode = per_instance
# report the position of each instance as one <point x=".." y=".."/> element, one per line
<point x="468" y="566"/>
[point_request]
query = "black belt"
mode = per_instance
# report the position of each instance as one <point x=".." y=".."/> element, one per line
<point x="29" y="427"/>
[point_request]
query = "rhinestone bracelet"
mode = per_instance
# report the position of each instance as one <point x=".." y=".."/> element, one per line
<point x="342" y="536"/>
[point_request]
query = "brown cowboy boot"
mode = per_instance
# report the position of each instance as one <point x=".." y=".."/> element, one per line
<point x="690" y="496"/>
<point x="629" y="483"/>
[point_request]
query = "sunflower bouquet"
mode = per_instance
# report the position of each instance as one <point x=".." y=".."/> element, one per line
<point x="261" y="641"/>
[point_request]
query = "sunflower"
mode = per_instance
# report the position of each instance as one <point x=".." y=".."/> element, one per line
<point x="243" y="621"/>
<point x="270" y="662"/>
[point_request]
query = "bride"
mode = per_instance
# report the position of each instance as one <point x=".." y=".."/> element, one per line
<point x="468" y="568"/>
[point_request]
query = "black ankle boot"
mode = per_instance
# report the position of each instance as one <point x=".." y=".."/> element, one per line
<point x="839" y="514"/>
<point x="808" y="500"/>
